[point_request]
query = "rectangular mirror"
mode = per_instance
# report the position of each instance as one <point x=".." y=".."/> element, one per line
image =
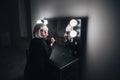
<point x="70" y="34"/>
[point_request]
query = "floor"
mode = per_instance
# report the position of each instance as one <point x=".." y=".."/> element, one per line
<point x="12" y="63"/>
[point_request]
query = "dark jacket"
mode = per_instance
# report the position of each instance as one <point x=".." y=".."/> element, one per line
<point x="38" y="63"/>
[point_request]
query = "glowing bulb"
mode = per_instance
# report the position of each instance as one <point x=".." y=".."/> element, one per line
<point x="39" y="21"/>
<point x="73" y="22"/>
<point x="73" y="33"/>
<point x="45" y="22"/>
<point x="68" y="28"/>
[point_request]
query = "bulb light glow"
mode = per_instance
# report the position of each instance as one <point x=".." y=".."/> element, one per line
<point x="73" y="33"/>
<point x="73" y="22"/>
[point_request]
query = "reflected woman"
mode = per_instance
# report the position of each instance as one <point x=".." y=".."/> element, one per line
<point x="73" y="44"/>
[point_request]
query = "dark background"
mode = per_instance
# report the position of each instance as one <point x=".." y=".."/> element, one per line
<point x="102" y="58"/>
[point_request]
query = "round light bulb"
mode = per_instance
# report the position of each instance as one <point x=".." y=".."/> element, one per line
<point x="68" y="28"/>
<point x="73" y="33"/>
<point x="73" y="22"/>
<point x="39" y="21"/>
<point x="45" y="22"/>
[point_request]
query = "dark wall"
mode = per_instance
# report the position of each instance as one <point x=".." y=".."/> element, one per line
<point x="9" y="27"/>
<point x="13" y="25"/>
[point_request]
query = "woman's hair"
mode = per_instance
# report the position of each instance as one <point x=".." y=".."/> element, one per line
<point x="36" y="29"/>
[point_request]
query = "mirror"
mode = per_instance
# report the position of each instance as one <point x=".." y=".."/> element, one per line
<point x="70" y="34"/>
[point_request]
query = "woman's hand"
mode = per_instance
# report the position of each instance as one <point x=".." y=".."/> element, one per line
<point x="52" y="41"/>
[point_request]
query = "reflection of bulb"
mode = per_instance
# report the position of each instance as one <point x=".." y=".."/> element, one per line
<point x="73" y="33"/>
<point x="73" y="22"/>
<point x="68" y="28"/>
<point x="79" y="32"/>
<point x="39" y="21"/>
<point x="42" y="21"/>
<point x="45" y="22"/>
<point x="79" y="22"/>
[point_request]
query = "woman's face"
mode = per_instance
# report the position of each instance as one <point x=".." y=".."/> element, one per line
<point x="43" y="32"/>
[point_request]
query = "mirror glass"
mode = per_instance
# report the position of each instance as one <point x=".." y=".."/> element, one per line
<point x="69" y="33"/>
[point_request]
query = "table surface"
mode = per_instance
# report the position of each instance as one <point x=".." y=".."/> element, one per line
<point x="62" y="57"/>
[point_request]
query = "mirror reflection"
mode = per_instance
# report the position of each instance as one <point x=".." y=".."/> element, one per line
<point x="67" y="34"/>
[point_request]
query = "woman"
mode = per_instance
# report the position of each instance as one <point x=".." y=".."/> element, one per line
<point x="38" y="63"/>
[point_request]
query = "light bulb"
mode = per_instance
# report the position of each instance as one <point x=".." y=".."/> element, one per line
<point x="39" y="21"/>
<point x="45" y="22"/>
<point x="73" y="33"/>
<point x="68" y="28"/>
<point x="73" y="22"/>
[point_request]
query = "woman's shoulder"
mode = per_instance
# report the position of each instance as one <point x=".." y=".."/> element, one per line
<point x="36" y="39"/>
<point x="36" y="42"/>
